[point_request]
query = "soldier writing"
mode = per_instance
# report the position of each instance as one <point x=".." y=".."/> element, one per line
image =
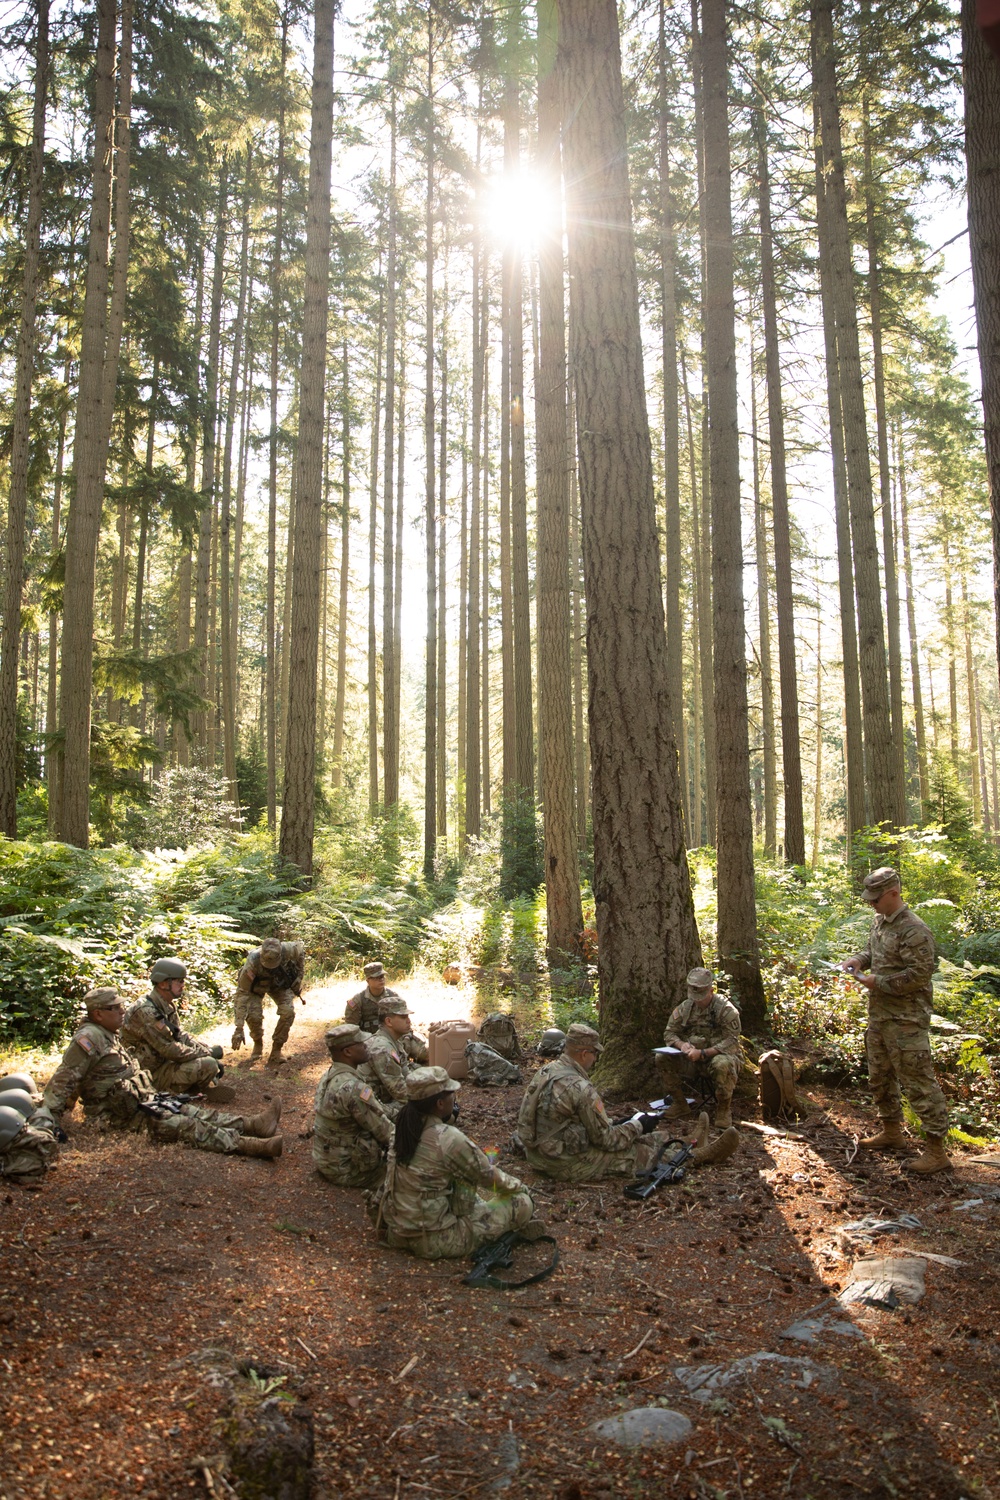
<point x="97" y="1068"/>
<point x="431" y="1205"/>
<point x="362" y="1010"/>
<point x="274" y="969"/>
<point x="564" y="1126"/>
<point x="705" y="1030"/>
<point x="901" y="958"/>
<point x="350" y="1128"/>
<point x="176" y="1062"/>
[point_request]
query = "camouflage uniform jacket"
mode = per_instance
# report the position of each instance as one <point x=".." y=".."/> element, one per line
<point x="30" y="1153"/>
<point x="362" y="1008"/>
<point x="562" y="1114"/>
<point x="718" y="1025"/>
<point x="287" y="975"/>
<point x="152" y="1032"/>
<point x="97" y="1067"/>
<point x="386" y="1070"/>
<point x="901" y="956"/>
<point x="345" y="1112"/>
<point x="438" y="1186"/>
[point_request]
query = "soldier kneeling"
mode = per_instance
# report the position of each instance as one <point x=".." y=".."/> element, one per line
<point x="100" y="1070"/>
<point x="350" y="1129"/>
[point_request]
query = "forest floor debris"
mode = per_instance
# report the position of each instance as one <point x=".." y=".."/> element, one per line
<point x="140" y="1277"/>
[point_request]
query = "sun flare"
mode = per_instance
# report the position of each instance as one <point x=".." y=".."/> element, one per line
<point x="520" y="208"/>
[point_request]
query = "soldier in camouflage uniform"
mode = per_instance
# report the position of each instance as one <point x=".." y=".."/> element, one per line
<point x="176" y="1062"/>
<point x="362" y="1010"/>
<point x="350" y="1129"/>
<point x="901" y="958"/>
<point x="705" y="1029"/>
<point x="564" y="1126"/>
<point x="276" y="969"/>
<point x="431" y="1206"/>
<point x="388" y="1064"/>
<point x="98" y="1068"/>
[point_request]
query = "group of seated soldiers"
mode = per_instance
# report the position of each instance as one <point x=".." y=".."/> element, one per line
<point x="384" y="1120"/>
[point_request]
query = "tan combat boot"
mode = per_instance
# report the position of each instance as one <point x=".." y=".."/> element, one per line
<point x="933" y="1158"/>
<point x="265" y="1124"/>
<point x="889" y="1138"/>
<point x="718" y="1150"/>
<point x="534" y="1229"/>
<point x="678" y="1109"/>
<point x="275" y="1058"/>
<point x="258" y="1050"/>
<point x="270" y="1149"/>
<point x="723" y="1111"/>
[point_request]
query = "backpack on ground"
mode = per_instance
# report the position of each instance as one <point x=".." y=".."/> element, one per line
<point x="499" y="1032"/>
<point x="776" y="1080"/>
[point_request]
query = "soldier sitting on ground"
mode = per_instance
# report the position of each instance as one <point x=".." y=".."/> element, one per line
<point x="388" y="1064"/>
<point x="705" y="1030"/>
<point x="176" y="1062"/>
<point x="276" y="969"/>
<point x="99" y="1069"/>
<point x="26" y="1150"/>
<point x="362" y="1010"/>
<point x="350" y="1129"/>
<point x="564" y="1126"/>
<point x="430" y="1205"/>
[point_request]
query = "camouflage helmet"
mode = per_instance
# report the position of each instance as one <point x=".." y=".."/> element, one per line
<point x="22" y="1081"/>
<point x="551" y="1042"/>
<point x="11" y="1124"/>
<point x="167" y="968"/>
<point x="19" y="1100"/>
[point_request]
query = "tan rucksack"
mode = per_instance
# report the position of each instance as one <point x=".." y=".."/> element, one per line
<point x="499" y="1032"/>
<point x="776" y="1079"/>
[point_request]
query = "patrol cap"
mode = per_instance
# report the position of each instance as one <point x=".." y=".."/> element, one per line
<point x="393" y="1006"/>
<point x="344" y="1035"/>
<point x="270" y="953"/>
<point x="102" y="999"/>
<point x="425" y="1083"/>
<point x="700" y="980"/>
<point x="374" y="970"/>
<point x="22" y="1081"/>
<point x="11" y="1124"/>
<point x="167" y="968"/>
<point x="880" y="881"/>
<point x="19" y="1100"/>
<point x="579" y="1036"/>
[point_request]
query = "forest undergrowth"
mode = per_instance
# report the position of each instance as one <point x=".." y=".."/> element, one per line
<point x="71" y="919"/>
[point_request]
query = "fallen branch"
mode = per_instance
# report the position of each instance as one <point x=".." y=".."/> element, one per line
<point x="405" y="1370"/>
<point x="792" y="1135"/>
<point x="645" y="1338"/>
<point x="305" y="1347"/>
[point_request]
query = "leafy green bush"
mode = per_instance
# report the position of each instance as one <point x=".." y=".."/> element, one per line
<point x="42" y="982"/>
<point x="240" y="879"/>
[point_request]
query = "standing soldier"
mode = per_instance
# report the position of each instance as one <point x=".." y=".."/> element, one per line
<point x="901" y="957"/>
<point x="362" y="1010"/>
<point x="388" y="1063"/>
<point x="97" y="1068"/>
<point x="704" y="1030"/>
<point x="176" y="1062"/>
<point x="274" y="969"/>
<point x="350" y="1128"/>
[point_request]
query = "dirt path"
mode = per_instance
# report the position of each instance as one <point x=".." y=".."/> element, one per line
<point x="133" y="1261"/>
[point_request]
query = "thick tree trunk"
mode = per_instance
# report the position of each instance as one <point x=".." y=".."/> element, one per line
<point x="89" y="459"/>
<point x="738" y="947"/>
<point x="671" y="427"/>
<point x="981" y="78"/>
<point x="210" y="418"/>
<point x="563" y="909"/>
<point x="430" y="493"/>
<point x="20" y="439"/>
<point x="645" y="917"/>
<point x="340" y="699"/>
<point x="473" y="697"/>
<point x="764" y="638"/>
<point x="298" y="811"/>
<point x="835" y="247"/>
<point x="228" y="654"/>
<point x="791" y="754"/>
<point x="372" y="687"/>
<point x="911" y="630"/>
<point x="442" y="600"/>
<point x="390" y="646"/>
<point x="270" y="644"/>
<point x="52" y="686"/>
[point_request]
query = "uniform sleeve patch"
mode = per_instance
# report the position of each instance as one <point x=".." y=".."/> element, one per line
<point x="162" y="1026"/>
<point x="366" y="1093"/>
<point x="599" y="1106"/>
<point x="396" y="1057"/>
<point x="85" y="1043"/>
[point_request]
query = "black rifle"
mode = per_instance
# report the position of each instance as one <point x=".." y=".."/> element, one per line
<point x="499" y="1255"/>
<point x="661" y="1172"/>
<point x="159" y="1105"/>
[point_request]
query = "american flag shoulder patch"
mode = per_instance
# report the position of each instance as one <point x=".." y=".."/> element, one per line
<point x="366" y="1093"/>
<point x="85" y="1043"/>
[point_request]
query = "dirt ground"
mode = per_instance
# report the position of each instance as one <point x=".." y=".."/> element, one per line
<point x="134" y="1265"/>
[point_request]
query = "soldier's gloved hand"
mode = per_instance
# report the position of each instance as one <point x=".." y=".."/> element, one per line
<point x="237" y="1039"/>
<point x="217" y="1051"/>
<point x="647" y="1121"/>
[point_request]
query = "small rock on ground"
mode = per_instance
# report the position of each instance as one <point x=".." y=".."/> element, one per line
<point x="643" y="1427"/>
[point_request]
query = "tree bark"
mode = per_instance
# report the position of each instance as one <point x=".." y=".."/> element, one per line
<point x="764" y="637"/>
<point x="473" y="696"/>
<point x="430" y="496"/>
<point x="372" y="693"/>
<point x="270" y="644"/>
<point x="738" y="949"/>
<point x="646" y="930"/>
<point x="390" y="646"/>
<point x="563" y="909"/>
<point x="911" y="629"/>
<point x="340" y="699"/>
<point x="442" y="600"/>
<point x="210" y="418"/>
<point x="17" y="500"/>
<point x="671" y="425"/>
<point x="298" y="812"/>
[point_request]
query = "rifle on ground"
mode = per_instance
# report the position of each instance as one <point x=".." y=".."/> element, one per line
<point x="661" y="1172"/>
<point x="499" y="1255"/>
<point x="159" y="1105"/>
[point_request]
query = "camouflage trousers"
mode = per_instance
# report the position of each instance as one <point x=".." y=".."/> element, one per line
<point x="899" y="1059"/>
<point x="29" y="1154"/>
<point x="185" y="1077"/>
<point x="489" y="1219"/>
<point x="356" y="1163"/>
<point x="592" y="1164"/>
<point x="250" y="1008"/>
<point x="676" y="1071"/>
<point x="204" y="1129"/>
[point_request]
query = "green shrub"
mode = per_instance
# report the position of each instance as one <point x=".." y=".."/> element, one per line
<point x="42" y="982"/>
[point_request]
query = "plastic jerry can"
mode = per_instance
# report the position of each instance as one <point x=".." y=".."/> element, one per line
<point x="446" y="1044"/>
